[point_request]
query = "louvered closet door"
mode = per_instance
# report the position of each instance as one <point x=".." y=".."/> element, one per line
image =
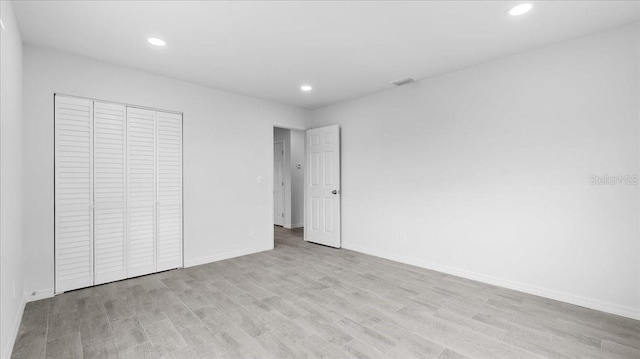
<point x="169" y="242"/>
<point x="73" y="193"/>
<point x="109" y="181"/>
<point x="141" y="191"/>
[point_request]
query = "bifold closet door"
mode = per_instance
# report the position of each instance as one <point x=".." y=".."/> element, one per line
<point x="73" y="193"/>
<point x="118" y="192"/>
<point x="109" y="184"/>
<point x="169" y="244"/>
<point x="141" y="191"/>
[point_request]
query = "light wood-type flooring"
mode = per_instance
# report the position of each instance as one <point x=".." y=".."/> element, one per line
<point x="303" y="300"/>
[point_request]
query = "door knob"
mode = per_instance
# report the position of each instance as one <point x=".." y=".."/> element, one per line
<point x="334" y="192"/>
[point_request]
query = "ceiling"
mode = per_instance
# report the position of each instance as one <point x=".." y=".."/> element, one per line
<point x="343" y="49"/>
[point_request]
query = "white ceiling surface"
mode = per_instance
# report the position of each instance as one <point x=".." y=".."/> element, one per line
<point x="343" y="49"/>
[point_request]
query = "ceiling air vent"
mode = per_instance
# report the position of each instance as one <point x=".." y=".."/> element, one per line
<point x="404" y="81"/>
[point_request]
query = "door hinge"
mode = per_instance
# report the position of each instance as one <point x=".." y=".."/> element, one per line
<point x="283" y="215"/>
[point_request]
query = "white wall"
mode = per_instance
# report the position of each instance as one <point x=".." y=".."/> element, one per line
<point x="227" y="142"/>
<point x="297" y="178"/>
<point x="11" y="298"/>
<point x="484" y="172"/>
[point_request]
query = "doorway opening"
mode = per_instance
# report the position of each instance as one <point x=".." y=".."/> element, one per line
<point x="288" y="180"/>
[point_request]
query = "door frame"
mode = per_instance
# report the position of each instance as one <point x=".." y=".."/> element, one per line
<point x="284" y="193"/>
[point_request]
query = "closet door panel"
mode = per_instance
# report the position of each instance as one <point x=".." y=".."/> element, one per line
<point x="73" y="193"/>
<point x="109" y="145"/>
<point x="169" y="243"/>
<point x="141" y="191"/>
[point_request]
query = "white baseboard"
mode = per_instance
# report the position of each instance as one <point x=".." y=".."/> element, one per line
<point x="607" y="307"/>
<point x="297" y="225"/>
<point x="6" y="352"/>
<point x="226" y="255"/>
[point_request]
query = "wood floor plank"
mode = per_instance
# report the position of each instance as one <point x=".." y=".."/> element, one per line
<point x="35" y="316"/>
<point x="64" y="303"/>
<point x="128" y="333"/>
<point x="90" y="308"/>
<point x="164" y="336"/>
<point x="325" y="330"/>
<point x="94" y="330"/>
<point x="239" y="343"/>
<point x="104" y="349"/>
<point x="317" y="347"/>
<point x="30" y="344"/>
<point x="372" y="337"/>
<point x="359" y="349"/>
<point x="150" y="312"/>
<point x="213" y="318"/>
<point x="450" y="354"/>
<point x="118" y="309"/>
<point x="62" y="324"/>
<point x="67" y="347"/>
<point x="142" y="351"/>
<point x="280" y="346"/>
<point x="408" y="344"/>
<point x="202" y="341"/>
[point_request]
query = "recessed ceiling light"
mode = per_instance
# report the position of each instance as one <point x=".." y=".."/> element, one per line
<point x="520" y="9"/>
<point x="156" y="42"/>
<point x="306" y="88"/>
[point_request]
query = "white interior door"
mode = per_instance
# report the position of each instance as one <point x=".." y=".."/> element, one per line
<point x="141" y="191"/>
<point x="73" y="193"/>
<point x="278" y="183"/>
<point x="109" y="181"/>
<point x="169" y="244"/>
<point x="322" y="214"/>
